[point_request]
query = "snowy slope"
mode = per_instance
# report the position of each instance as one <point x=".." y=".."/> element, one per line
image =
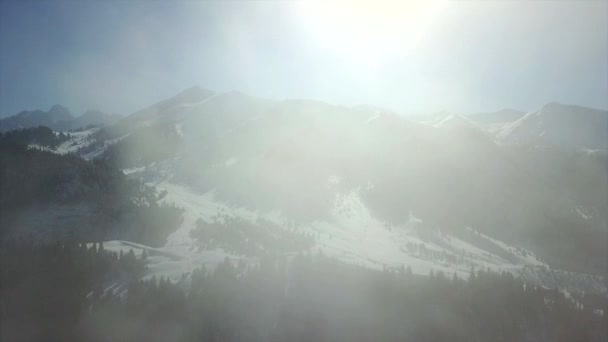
<point x="352" y="235"/>
<point x="172" y="107"/>
<point x="498" y="117"/>
<point x="372" y="189"/>
<point x="560" y="125"/>
<point x="78" y="140"/>
<point x="496" y="122"/>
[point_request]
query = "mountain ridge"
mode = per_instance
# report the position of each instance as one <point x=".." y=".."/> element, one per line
<point x="58" y="118"/>
<point x="405" y="166"/>
<point x="567" y="126"/>
<point x="372" y="188"/>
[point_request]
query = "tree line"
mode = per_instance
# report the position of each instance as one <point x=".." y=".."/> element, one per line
<point x="115" y="206"/>
<point x="69" y="292"/>
<point x="40" y="135"/>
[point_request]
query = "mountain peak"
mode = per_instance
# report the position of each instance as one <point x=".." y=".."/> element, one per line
<point x="555" y="106"/>
<point x="58" y="108"/>
<point x="561" y="107"/>
<point x="505" y="115"/>
<point x="193" y="94"/>
<point x="93" y="113"/>
<point x="456" y="120"/>
<point x="172" y="105"/>
<point x="562" y="125"/>
<point x="59" y="113"/>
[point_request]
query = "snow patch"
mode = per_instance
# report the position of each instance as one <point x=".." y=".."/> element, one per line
<point x="133" y="170"/>
<point x="374" y="117"/>
<point x="231" y="161"/>
<point x="582" y="214"/>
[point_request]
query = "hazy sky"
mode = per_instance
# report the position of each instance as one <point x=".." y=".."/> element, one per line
<point x="463" y="56"/>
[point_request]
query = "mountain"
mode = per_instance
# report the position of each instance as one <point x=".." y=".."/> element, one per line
<point x="94" y="118"/>
<point x="366" y="182"/>
<point x="495" y="122"/>
<point x="490" y="121"/>
<point x="498" y="117"/>
<point x="58" y="118"/>
<point x="455" y="121"/>
<point x="363" y="185"/>
<point x="55" y="117"/>
<point x="48" y="196"/>
<point x="172" y="106"/>
<point x="565" y="126"/>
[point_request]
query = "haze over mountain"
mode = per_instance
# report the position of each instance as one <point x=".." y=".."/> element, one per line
<point x="557" y="125"/>
<point x="560" y="125"/>
<point x="186" y="189"/>
<point x="361" y="178"/>
<point x="413" y="170"/>
<point x="58" y="118"/>
<point x="501" y="116"/>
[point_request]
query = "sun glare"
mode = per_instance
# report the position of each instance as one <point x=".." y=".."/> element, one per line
<point x="368" y="33"/>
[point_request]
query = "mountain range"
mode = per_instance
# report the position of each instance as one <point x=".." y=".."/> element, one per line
<point x="560" y="125"/>
<point x="57" y="118"/>
<point x="519" y="192"/>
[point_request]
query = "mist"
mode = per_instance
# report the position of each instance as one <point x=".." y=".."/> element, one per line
<point x="463" y="57"/>
<point x="303" y="171"/>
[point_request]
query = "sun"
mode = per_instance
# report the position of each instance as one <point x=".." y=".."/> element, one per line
<point x="370" y="33"/>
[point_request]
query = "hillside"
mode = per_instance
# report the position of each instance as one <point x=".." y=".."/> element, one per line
<point x="560" y="125"/>
<point x="48" y="197"/>
<point x="250" y="206"/>
<point x="355" y="179"/>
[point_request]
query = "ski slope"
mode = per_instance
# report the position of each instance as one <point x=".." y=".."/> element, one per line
<point x="351" y="234"/>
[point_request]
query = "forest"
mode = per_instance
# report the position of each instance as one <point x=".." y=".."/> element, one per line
<point x="71" y="289"/>
<point x="41" y="135"/>
<point x="115" y="206"/>
<point x="69" y="292"/>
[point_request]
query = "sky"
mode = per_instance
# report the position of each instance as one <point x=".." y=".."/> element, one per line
<point x="411" y="57"/>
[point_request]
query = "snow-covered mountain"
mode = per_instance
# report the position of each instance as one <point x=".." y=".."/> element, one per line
<point x="361" y="184"/>
<point x="495" y="122"/>
<point x="57" y="118"/>
<point x="560" y="125"/>
<point x="554" y="125"/>
<point x="491" y="122"/>
<point x="93" y="118"/>
<point x="172" y="107"/>
<point x="499" y="117"/>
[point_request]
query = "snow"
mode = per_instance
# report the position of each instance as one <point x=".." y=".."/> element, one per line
<point x="168" y="262"/>
<point x="39" y="147"/>
<point x="231" y="161"/>
<point x="355" y="236"/>
<point x="133" y="170"/>
<point x="496" y="128"/>
<point x="178" y="129"/>
<point x="560" y="125"/>
<point x="413" y="219"/>
<point x="513" y="126"/>
<point x="590" y="152"/>
<point x="456" y="121"/>
<point x="374" y="117"/>
<point x="582" y="214"/>
<point x="334" y="180"/>
<point x="78" y="139"/>
<point x="351" y="234"/>
<point x="196" y="104"/>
